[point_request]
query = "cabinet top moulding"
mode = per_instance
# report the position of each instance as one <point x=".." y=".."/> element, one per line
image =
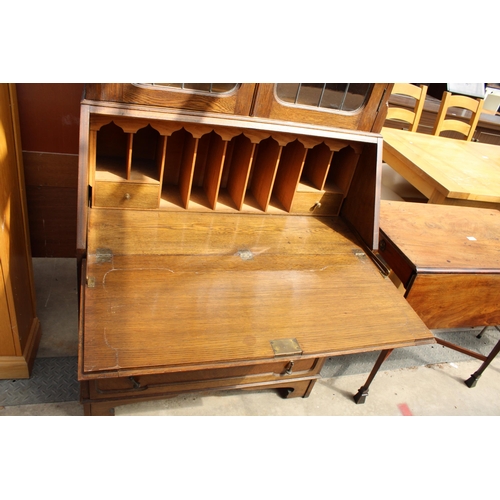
<point x="214" y="119"/>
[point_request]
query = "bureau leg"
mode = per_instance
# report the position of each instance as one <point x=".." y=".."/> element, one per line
<point x="300" y="389"/>
<point x="472" y="381"/>
<point x="362" y="394"/>
<point x="98" y="410"/>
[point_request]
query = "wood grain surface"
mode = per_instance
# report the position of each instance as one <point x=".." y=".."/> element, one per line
<point x="456" y="300"/>
<point x="445" y="169"/>
<point x="178" y="293"/>
<point x="434" y="237"/>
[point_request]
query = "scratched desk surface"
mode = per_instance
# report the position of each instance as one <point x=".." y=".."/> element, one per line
<point x="179" y="291"/>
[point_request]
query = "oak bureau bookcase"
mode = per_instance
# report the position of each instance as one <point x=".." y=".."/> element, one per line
<point x="223" y="238"/>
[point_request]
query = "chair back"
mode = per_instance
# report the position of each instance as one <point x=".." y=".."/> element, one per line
<point x="467" y="128"/>
<point x="403" y="114"/>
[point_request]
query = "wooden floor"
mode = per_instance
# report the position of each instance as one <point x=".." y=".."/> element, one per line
<point x="176" y="292"/>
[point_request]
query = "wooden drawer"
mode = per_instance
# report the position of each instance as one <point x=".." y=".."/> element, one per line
<point x="199" y="380"/>
<point x="126" y="195"/>
<point x="317" y="202"/>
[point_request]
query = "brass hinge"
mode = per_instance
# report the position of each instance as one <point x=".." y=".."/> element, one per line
<point x="103" y="255"/>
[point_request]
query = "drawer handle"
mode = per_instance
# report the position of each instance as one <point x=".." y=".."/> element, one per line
<point x="136" y="387"/>
<point x="289" y="368"/>
<point x="127" y="196"/>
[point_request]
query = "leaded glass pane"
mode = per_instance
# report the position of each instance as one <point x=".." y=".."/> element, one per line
<point x="333" y="96"/>
<point x="211" y="88"/>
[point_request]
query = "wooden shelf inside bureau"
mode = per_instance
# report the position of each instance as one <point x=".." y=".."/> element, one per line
<point x="112" y="170"/>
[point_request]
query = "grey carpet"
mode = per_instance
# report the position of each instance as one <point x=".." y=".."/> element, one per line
<point x="53" y="380"/>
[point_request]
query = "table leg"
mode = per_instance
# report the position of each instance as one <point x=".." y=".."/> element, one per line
<point x="437" y="198"/>
<point x="472" y="381"/>
<point x="480" y="334"/>
<point x="362" y="394"/>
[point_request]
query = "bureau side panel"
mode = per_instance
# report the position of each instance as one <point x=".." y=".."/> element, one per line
<point x="361" y="208"/>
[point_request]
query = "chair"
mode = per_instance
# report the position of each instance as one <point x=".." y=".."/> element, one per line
<point x="403" y="114"/>
<point x="448" y="101"/>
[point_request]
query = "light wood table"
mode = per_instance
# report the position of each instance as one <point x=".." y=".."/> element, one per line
<point x="447" y="171"/>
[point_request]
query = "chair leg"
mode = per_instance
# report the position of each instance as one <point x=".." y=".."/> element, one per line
<point x="472" y="381"/>
<point x="362" y="394"/>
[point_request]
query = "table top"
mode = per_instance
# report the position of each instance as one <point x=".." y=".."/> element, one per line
<point x="457" y="169"/>
<point x="442" y="237"/>
<point x="181" y="291"/>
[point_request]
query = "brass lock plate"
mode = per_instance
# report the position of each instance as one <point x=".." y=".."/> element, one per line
<point x="286" y="347"/>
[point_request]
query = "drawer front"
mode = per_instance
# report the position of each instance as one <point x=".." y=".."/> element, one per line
<point x="126" y="195"/>
<point x="319" y="203"/>
<point x="198" y="380"/>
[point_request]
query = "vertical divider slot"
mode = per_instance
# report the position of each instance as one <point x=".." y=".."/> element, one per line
<point x="289" y="172"/>
<point x="239" y="158"/>
<point x="263" y="173"/>
<point x="170" y="196"/>
<point x="178" y="169"/>
<point x="128" y="160"/>
<point x="187" y="166"/>
<point x="144" y="155"/>
<point x="161" y="154"/>
<point x="111" y="146"/>
<point x="213" y="169"/>
<point x="342" y="168"/>
<point x="316" y="166"/>
<point x="198" y="197"/>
